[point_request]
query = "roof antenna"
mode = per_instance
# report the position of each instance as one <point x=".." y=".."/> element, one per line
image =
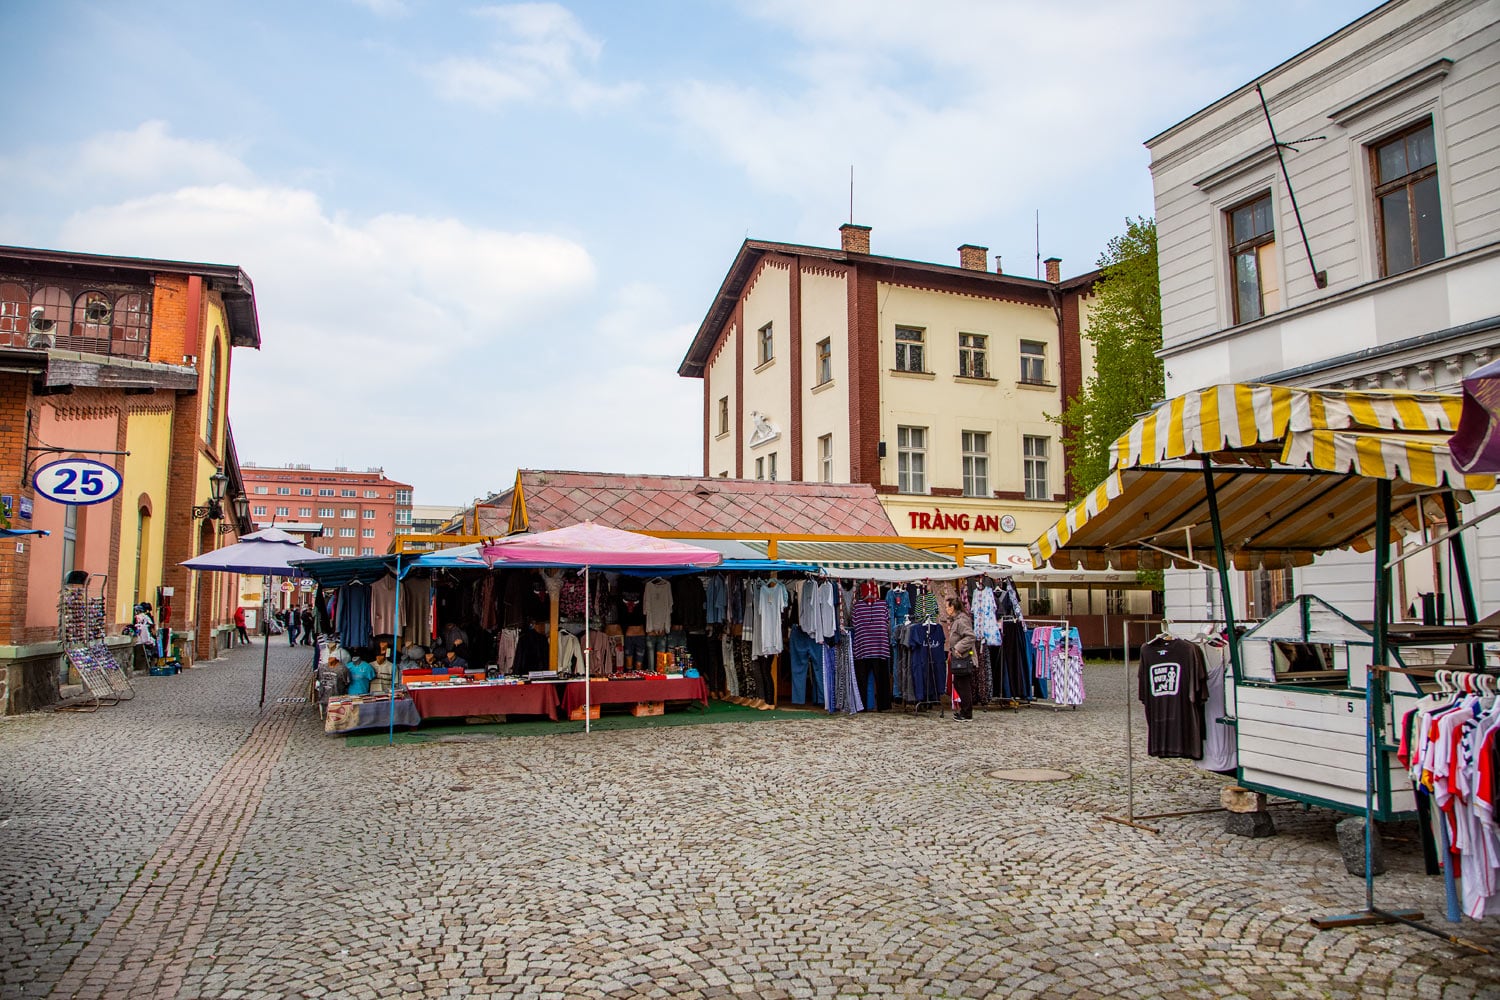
<point x="1039" y="244"/>
<point x="1320" y="278"/>
<point x="851" y="194"/>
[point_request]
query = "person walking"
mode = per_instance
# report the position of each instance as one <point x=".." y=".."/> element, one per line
<point x="961" y="663"/>
<point x="293" y="626"/>
<point x="145" y="639"/>
<point x="239" y="626"/>
<point x="308" y="623"/>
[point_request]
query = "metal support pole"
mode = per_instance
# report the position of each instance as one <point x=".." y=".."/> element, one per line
<point x="395" y="660"/>
<point x="1375" y="680"/>
<point x="265" y="628"/>
<point x="1226" y="598"/>
<point x="1465" y="585"/>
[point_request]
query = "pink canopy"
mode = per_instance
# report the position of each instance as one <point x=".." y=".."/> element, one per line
<point x="590" y="544"/>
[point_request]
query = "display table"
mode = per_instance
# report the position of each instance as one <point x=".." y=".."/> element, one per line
<point x="634" y="692"/>
<point x="351" y="713"/>
<point x="459" y="700"/>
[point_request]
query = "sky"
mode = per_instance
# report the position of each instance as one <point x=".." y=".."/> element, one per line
<point x="483" y="236"/>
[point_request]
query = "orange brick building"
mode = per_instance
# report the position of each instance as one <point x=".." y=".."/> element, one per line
<point x="361" y="511"/>
<point x="125" y="361"/>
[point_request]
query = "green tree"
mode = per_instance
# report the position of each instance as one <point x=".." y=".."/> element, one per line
<point x="1124" y="323"/>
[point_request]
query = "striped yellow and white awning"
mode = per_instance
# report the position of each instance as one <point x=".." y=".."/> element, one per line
<point x="1294" y="476"/>
<point x="1241" y="416"/>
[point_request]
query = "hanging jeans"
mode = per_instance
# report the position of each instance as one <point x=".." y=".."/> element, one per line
<point x="878" y="670"/>
<point x="806" y="657"/>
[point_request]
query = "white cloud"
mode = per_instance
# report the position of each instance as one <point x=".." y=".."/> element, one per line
<point x="948" y="110"/>
<point x="449" y="353"/>
<point x="120" y="163"/>
<point x="540" y="52"/>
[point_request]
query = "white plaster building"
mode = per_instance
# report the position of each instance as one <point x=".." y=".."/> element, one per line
<point x="1391" y="278"/>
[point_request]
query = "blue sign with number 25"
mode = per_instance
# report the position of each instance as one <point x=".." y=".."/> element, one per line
<point x="77" y="482"/>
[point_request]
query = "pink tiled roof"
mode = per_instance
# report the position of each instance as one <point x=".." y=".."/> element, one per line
<point x="681" y="503"/>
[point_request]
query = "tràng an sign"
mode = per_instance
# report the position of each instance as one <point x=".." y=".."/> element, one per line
<point x="77" y="482"/>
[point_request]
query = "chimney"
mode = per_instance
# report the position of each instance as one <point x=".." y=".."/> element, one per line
<point x="972" y="258"/>
<point x="1054" y="269"/>
<point x="998" y="268"/>
<point x="854" y="239"/>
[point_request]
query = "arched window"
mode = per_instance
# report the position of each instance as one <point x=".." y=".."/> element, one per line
<point x="57" y="305"/>
<point x="91" y="314"/>
<point x="130" y="327"/>
<point x="212" y="399"/>
<point x="15" y="310"/>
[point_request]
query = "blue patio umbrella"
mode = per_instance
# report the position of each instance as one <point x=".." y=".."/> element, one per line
<point x="268" y="552"/>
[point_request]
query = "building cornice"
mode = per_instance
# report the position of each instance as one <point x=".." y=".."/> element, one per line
<point x="1328" y="302"/>
<point x="1358" y="55"/>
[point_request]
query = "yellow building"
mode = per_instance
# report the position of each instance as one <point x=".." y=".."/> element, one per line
<point x="125" y="362"/>
<point x="934" y="384"/>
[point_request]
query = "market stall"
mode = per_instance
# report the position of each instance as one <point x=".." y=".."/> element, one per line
<point x="1245" y="476"/>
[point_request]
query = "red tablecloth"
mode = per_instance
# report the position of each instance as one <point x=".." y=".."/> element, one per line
<point x="631" y="692"/>
<point x="458" y="700"/>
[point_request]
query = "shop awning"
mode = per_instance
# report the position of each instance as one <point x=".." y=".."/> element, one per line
<point x="1014" y="561"/>
<point x="1294" y="471"/>
<point x="335" y="572"/>
<point x="740" y="556"/>
<point x="832" y="556"/>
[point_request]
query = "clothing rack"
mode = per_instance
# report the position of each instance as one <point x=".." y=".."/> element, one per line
<point x="1063" y="624"/>
<point x="1379" y="915"/>
<point x="1130" y="818"/>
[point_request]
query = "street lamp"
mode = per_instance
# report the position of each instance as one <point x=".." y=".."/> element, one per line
<point x="242" y="508"/>
<point x="213" y="510"/>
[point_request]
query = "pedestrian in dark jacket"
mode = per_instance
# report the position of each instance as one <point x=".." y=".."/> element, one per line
<point x="961" y="660"/>
<point x="308" y="623"/>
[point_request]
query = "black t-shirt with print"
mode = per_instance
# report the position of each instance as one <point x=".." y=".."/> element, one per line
<point x="1174" y="688"/>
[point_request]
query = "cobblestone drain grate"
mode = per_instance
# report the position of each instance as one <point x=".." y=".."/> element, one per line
<point x="1028" y="774"/>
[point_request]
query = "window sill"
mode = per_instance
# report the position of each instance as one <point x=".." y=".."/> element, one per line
<point x="822" y="386"/>
<point x="924" y="376"/>
<point x="1037" y="386"/>
<point x="972" y="380"/>
<point x="763" y="365"/>
<point x="721" y="435"/>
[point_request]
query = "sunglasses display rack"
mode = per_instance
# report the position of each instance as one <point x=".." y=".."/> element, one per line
<point x="81" y="630"/>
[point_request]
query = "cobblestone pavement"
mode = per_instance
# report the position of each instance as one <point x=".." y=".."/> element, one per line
<point x="183" y="845"/>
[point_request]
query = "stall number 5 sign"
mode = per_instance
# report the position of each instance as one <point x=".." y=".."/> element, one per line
<point x="77" y="482"/>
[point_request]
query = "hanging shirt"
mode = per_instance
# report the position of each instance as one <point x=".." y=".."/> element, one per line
<point x="1219" y="750"/>
<point x="872" y="632"/>
<point x="1173" y="687"/>
<point x="658" y="602"/>
<point x="715" y="598"/>
<point x="898" y="600"/>
<point x="826" y="621"/>
<point x="807" y="607"/>
<point x="986" y="625"/>
<point x="771" y="601"/>
<point x="383" y="606"/>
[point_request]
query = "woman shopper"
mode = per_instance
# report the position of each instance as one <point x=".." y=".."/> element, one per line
<point x="145" y="639"/>
<point x="239" y="626"/>
<point x="961" y="663"/>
